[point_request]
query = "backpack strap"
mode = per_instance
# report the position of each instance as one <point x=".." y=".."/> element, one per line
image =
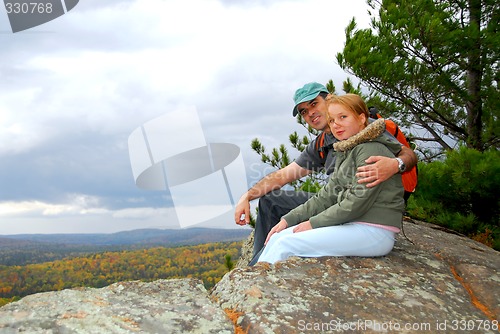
<point x="320" y="142"/>
<point x="396" y="132"/>
<point x="393" y="129"/>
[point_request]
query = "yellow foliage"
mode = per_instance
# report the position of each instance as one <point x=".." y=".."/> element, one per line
<point x="205" y="262"/>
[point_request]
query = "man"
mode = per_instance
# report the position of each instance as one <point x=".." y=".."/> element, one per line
<point x="274" y="202"/>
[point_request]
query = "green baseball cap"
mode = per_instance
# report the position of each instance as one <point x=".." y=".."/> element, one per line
<point x="307" y="93"/>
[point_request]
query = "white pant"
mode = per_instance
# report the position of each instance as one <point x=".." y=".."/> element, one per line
<point x="351" y="239"/>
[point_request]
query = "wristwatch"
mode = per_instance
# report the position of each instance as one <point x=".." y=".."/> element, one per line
<point x="401" y="166"/>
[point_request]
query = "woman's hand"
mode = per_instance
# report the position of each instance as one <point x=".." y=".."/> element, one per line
<point x="304" y="226"/>
<point x="276" y="229"/>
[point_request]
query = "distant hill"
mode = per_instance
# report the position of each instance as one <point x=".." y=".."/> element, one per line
<point x="21" y="249"/>
<point x="187" y="236"/>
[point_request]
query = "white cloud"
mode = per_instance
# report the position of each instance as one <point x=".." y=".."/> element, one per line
<point x="77" y="204"/>
<point x="75" y="88"/>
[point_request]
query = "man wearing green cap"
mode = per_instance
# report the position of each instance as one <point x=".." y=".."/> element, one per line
<point x="274" y="202"/>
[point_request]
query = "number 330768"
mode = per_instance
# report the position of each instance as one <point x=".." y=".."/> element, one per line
<point x="28" y="8"/>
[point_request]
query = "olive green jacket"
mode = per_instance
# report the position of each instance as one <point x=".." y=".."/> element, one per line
<point x="343" y="199"/>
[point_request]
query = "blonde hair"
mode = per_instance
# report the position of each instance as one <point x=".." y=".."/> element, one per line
<point x="351" y="102"/>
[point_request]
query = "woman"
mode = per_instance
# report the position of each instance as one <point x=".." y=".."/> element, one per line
<point x="344" y="218"/>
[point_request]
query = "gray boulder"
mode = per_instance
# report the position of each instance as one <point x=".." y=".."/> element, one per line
<point x="163" y="306"/>
<point x="433" y="280"/>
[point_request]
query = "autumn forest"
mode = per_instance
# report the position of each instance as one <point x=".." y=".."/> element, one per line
<point x="208" y="262"/>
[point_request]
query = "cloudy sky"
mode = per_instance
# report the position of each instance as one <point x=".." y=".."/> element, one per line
<point x="74" y="89"/>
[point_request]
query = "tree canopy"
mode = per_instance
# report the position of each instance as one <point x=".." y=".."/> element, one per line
<point x="434" y="66"/>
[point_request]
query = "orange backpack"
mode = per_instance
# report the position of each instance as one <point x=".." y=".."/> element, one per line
<point x="410" y="176"/>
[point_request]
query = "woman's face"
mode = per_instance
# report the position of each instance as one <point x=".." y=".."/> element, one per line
<point x="343" y="122"/>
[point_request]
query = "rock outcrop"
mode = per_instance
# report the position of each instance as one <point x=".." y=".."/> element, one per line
<point x="163" y="306"/>
<point x="438" y="281"/>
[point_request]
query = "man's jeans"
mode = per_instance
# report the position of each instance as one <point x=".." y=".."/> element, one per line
<point x="272" y="207"/>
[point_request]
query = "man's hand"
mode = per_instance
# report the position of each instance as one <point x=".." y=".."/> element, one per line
<point x="276" y="229"/>
<point x="242" y="211"/>
<point x="304" y="226"/>
<point x="377" y="170"/>
<point x="270" y="182"/>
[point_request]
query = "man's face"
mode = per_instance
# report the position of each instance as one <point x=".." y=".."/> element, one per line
<point x="314" y="113"/>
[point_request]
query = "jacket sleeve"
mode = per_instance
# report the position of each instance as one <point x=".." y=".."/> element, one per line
<point x="316" y="204"/>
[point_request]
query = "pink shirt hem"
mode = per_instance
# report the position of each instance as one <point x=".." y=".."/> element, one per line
<point x="385" y="227"/>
